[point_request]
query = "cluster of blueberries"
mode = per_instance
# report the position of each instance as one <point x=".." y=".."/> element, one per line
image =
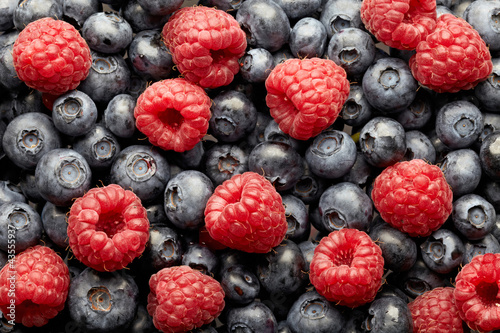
<point x="89" y="139"/>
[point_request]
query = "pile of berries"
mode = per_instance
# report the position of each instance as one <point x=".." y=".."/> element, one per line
<point x="249" y="166"/>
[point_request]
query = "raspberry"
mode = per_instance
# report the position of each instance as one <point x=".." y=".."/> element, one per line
<point x="305" y="96"/>
<point x="246" y="213"/>
<point x="347" y="267"/>
<point x="182" y="299"/>
<point x="401" y="24"/>
<point x="476" y="292"/>
<point x="435" y="311"/>
<point x="174" y="114"/>
<point x="41" y="286"/>
<point x="452" y="58"/>
<point x="51" y="56"/>
<point x="206" y="44"/>
<point x="108" y="228"/>
<point x="413" y="196"/>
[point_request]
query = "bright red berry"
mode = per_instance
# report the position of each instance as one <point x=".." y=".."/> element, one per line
<point x="413" y="196"/>
<point x="51" y="56"/>
<point x="400" y="24"/>
<point x="477" y="292"/>
<point x="37" y="281"/>
<point x="453" y="57"/>
<point x="206" y="44"/>
<point x="174" y="114"/>
<point x="182" y="299"/>
<point x="435" y="312"/>
<point x="108" y="228"/>
<point x="347" y="267"/>
<point x="246" y="213"/>
<point x="305" y="96"/>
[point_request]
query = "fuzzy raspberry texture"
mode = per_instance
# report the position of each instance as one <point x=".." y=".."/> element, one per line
<point x="435" y="311"/>
<point x="108" y="228"/>
<point x="413" y="196"/>
<point x="246" y="213"/>
<point x="347" y="267"/>
<point x="477" y="292"/>
<point x="51" y="56"/>
<point x="173" y="114"/>
<point x="305" y="96"/>
<point x="206" y="44"/>
<point x="400" y="24"/>
<point x="37" y="281"/>
<point x="182" y="299"/>
<point x="453" y="57"/>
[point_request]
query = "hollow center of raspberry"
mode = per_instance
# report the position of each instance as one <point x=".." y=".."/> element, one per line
<point x="110" y="223"/>
<point x="343" y="257"/>
<point x="171" y="118"/>
<point x="487" y="292"/>
<point x="217" y="55"/>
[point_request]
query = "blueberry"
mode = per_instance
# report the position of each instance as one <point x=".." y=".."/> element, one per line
<point x="442" y="251"/>
<point x="419" y="146"/>
<point x="229" y="6"/>
<point x="257" y="135"/>
<point x="189" y="159"/>
<point x="356" y="110"/>
<point x="297" y="9"/>
<point x="160" y="7"/>
<point x="164" y="248"/>
<point x="360" y="173"/>
<point x="77" y="11"/>
<point x="230" y="257"/>
<point x="107" y="32"/>
<point x="439" y="146"/>
<point x="8" y="74"/>
<point x="462" y="170"/>
<point x="283" y="327"/>
<point x="141" y="169"/>
<point x="309" y="187"/>
<point x="7" y="8"/>
<point x="74" y="113"/>
<point x="29" y="187"/>
<point x="55" y="224"/>
<point x="418" y="279"/>
<point x="488" y="244"/>
<point x="297" y="217"/>
<point x="143" y="322"/>
<point x="341" y="14"/>
<point x="62" y="175"/>
<point x="3" y="127"/>
<point x="223" y="161"/>
<point x="99" y="147"/>
<point x="388" y="315"/>
<point x="354" y="321"/>
<point x="156" y="213"/>
<point x="418" y="114"/>
<point x="240" y="285"/>
<point x="8" y="37"/>
<point x="273" y="132"/>
<point x="312" y="313"/>
<point x="119" y="115"/>
<point x="139" y="19"/>
<point x="254" y="317"/>
<point x="308" y="38"/>
<point x="28" y="100"/>
<point x="488" y="155"/>
<point x="21" y="221"/>
<point x="10" y="192"/>
<point x="201" y="258"/>
<point x="256" y="65"/>
<point x="389" y="290"/>
<point x="32" y="10"/>
<point x="137" y="85"/>
<point x="491" y="124"/>
<point x="488" y="91"/>
<point x="282" y="55"/>
<point x="307" y="248"/>
<point x="491" y="191"/>
<point x="483" y="15"/>
<point x="473" y="216"/>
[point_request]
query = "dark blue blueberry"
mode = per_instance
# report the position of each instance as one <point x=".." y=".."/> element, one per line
<point x="297" y="217"/>
<point x="149" y="56"/>
<point x="307" y="248"/>
<point x="143" y="322"/>
<point x="185" y="198"/>
<point x="354" y="321"/>
<point x="488" y="244"/>
<point x="139" y="19"/>
<point x="418" y="279"/>
<point x="230" y="257"/>
<point x="441" y="9"/>
<point x="62" y="175"/>
<point x="142" y="169"/>
<point x="496" y="228"/>
<point x="389" y="315"/>
<point x="341" y="14"/>
<point x="382" y="141"/>
<point x="8" y="37"/>
<point x="398" y="249"/>
<point x="484" y="17"/>
<point x="256" y="65"/>
<point x="462" y="170"/>
<point x="331" y="154"/>
<point x="419" y="146"/>
<point x="274" y="133"/>
<point x="102" y="301"/>
<point x="54" y="221"/>
<point x="74" y="113"/>
<point x="491" y="124"/>
<point x="99" y="147"/>
<point x="7" y="8"/>
<point x="189" y="159"/>
<point x="402" y="54"/>
<point x="309" y="187"/>
<point x="240" y="285"/>
<point x="282" y="55"/>
<point x="137" y="85"/>
<point x="254" y="317"/>
<point x="389" y="85"/>
<point x="20" y="227"/>
<point x="156" y="213"/>
<point x="356" y="110"/>
<point x="10" y="192"/>
<point x="107" y="32"/>
<point x="160" y="7"/>
<point x="488" y="91"/>
<point x="119" y="116"/>
<point x="3" y="127"/>
<point x="297" y="9"/>
<point x="223" y="161"/>
<point x="442" y="251"/>
<point x="352" y="49"/>
<point x="283" y="327"/>
<point x="204" y="329"/>
<point x="491" y="191"/>
<point x="164" y="248"/>
<point x="233" y="116"/>
<point x="31" y="10"/>
<point x="229" y="6"/>
<point x="360" y="173"/>
<point x="77" y="11"/>
<point x="389" y="290"/>
<point x="417" y="115"/>
<point x="489" y="155"/>
<point x="278" y="162"/>
<point x="257" y="135"/>
<point x="308" y="38"/>
<point x="313" y="313"/>
<point x="201" y="258"/>
<point x="8" y="74"/>
<point x="28" y="100"/>
<point x="473" y="216"/>
<point x="316" y="220"/>
<point x="29" y="187"/>
<point x="439" y="146"/>
<point x="265" y="24"/>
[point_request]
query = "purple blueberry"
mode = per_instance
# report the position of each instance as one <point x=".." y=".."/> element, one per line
<point x="200" y="258"/>
<point x="356" y="110"/>
<point x="20" y="227"/>
<point x="442" y="251"/>
<point x="341" y="14"/>
<point x="74" y="113"/>
<point x="164" y="248"/>
<point x="54" y="221"/>
<point x="297" y="217"/>
<point x="419" y="146"/>
<point x="223" y="161"/>
<point x="240" y="285"/>
<point x="473" y="216"/>
<point x="119" y="115"/>
<point x="308" y="38"/>
<point x="462" y="170"/>
<point x="256" y="65"/>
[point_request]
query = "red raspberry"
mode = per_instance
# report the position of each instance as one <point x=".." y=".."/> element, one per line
<point x="39" y="289"/>
<point x="400" y="24"/>
<point x="452" y="58"/>
<point x="435" y="312"/>
<point x="305" y="96"/>
<point x="347" y="267"/>
<point x="477" y="292"/>
<point x="182" y="299"/>
<point x="206" y="44"/>
<point x="51" y="56"/>
<point x="413" y="196"/>
<point x="108" y="228"/>
<point x="246" y="213"/>
<point x="174" y="114"/>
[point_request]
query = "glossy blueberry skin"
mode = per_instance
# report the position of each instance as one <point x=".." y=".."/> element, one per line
<point x="442" y="251"/>
<point x="29" y="187"/>
<point x="254" y="317"/>
<point x="229" y="6"/>
<point x="340" y="14"/>
<point x="488" y="91"/>
<point x="74" y="113"/>
<point x="473" y="216"/>
<point x="62" y="175"/>
<point x="389" y="315"/>
<point x="156" y="213"/>
<point x="265" y="23"/>
<point x="278" y="162"/>
<point x="3" y="127"/>
<point x="274" y="133"/>
<point x="164" y="248"/>
<point x="223" y="161"/>
<point x="28" y="137"/>
<point x="8" y="37"/>
<point x="352" y="49"/>
<point x="491" y="124"/>
<point x="307" y="248"/>
<point x="382" y="141"/>
<point x="28" y="100"/>
<point x="189" y="159"/>
<point x="282" y="55"/>
<point x="160" y="7"/>
<point x="483" y="16"/>
<point x="143" y="322"/>
<point x="419" y="146"/>
<point x="360" y="173"/>
<point x="77" y="11"/>
<point x="256" y="65"/>
<point x="119" y="115"/>
<point x="462" y="170"/>
<point x="185" y="198"/>
<point x="297" y="217"/>
<point x="257" y="135"/>
<point x="297" y="9"/>
<point x="354" y="321"/>
<point x="331" y="154"/>
<point x="417" y="115"/>
<point x="488" y="155"/>
<point x="201" y="258"/>
<point x="102" y="301"/>
<point x="141" y="169"/>
<point x="10" y="192"/>
<point x="54" y="221"/>
<point x="418" y="279"/>
<point x="7" y="8"/>
<point x="139" y="19"/>
<point x="20" y="227"/>
<point x="32" y="10"/>
<point x="356" y="110"/>
<point x="8" y="75"/>
<point x="241" y="286"/>
<point x="149" y="56"/>
<point x="313" y="313"/>
<point x="488" y="244"/>
<point x="308" y="38"/>
<point x="309" y="187"/>
<point x="233" y="116"/>
<point x="99" y="147"/>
